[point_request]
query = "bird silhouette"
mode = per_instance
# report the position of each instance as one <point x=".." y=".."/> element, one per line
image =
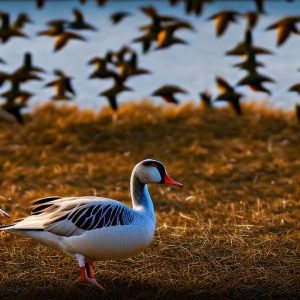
<point x="285" y="27"/>
<point x="101" y="70"/>
<point x="167" y="93"/>
<point x="21" y="20"/>
<point x="7" y="31"/>
<point x="57" y="29"/>
<point x="111" y="94"/>
<point x="161" y="30"/>
<point x="295" y="88"/>
<point x="62" y="85"/>
<point x="251" y="18"/>
<point x="245" y="47"/>
<point x="192" y="6"/>
<point x="260" y="6"/>
<point x="129" y="67"/>
<point x="223" y="19"/>
<point x="166" y="37"/>
<point x="79" y="22"/>
<point x="119" y="16"/>
<point x="196" y="7"/>
<point x="145" y="40"/>
<point x="101" y="2"/>
<point x="250" y="64"/>
<point x="205" y="98"/>
<point x="229" y="95"/>
<point x="40" y="3"/>
<point x="27" y="70"/>
<point x="15" y="100"/>
<point x="255" y="81"/>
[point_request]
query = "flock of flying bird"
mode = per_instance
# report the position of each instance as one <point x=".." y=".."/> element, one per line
<point x="159" y="33"/>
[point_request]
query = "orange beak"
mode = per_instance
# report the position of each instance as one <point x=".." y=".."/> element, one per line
<point x="169" y="180"/>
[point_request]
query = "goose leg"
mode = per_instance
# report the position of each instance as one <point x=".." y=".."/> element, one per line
<point x="87" y="274"/>
<point x="83" y="274"/>
<point x="91" y="275"/>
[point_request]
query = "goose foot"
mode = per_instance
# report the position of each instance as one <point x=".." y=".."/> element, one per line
<point x="88" y="277"/>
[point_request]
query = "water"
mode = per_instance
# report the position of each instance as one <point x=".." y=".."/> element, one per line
<point x="193" y="67"/>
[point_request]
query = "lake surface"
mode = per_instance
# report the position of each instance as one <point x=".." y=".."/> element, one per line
<point x="193" y="67"/>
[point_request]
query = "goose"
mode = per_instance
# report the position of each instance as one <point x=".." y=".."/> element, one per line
<point x="94" y="228"/>
<point x="223" y="19"/>
<point x="118" y="17"/>
<point x="285" y="27"/>
<point x="167" y="93"/>
<point x="229" y="95"/>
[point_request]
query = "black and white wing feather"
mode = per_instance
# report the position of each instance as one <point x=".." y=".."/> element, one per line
<point x="74" y="216"/>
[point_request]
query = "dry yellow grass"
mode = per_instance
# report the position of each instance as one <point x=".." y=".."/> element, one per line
<point x="232" y="232"/>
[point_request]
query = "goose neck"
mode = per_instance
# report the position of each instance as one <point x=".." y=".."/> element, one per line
<point x="141" y="199"/>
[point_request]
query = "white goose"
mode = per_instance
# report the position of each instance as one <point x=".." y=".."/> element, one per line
<point x="95" y="228"/>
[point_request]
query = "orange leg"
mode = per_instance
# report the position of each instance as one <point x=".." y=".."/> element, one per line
<point x="87" y="274"/>
<point x="91" y="270"/>
<point x="91" y="276"/>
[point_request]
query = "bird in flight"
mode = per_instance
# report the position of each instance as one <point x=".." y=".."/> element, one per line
<point x="167" y="93"/>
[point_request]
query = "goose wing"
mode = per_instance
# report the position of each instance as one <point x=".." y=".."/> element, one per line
<point x="75" y="215"/>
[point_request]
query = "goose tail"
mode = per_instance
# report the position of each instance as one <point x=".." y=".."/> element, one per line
<point x="4" y="213"/>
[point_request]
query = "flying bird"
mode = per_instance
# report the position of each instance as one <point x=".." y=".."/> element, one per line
<point x="166" y="37"/>
<point x="7" y="31"/>
<point x="117" y="17"/>
<point x="223" y="19"/>
<point x="167" y="93"/>
<point x="260" y="6"/>
<point x="62" y="37"/>
<point x="15" y="100"/>
<point x="285" y="27"/>
<point x="101" y="71"/>
<point x="62" y="85"/>
<point x="21" y="20"/>
<point x="130" y="67"/>
<point x="161" y="30"/>
<point x="101" y="2"/>
<point x="94" y="228"/>
<point x="255" y="81"/>
<point x="112" y="93"/>
<point x="229" y="95"/>
<point x="79" y="22"/>
<point x="205" y="98"/>
<point x="295" y="88"/>
<point x="27" y="70"/>
<point x="251" y="18"/>
<point x="145" y="40"/>
<point x="246" y="47"/>
<point x="192" y="6"/>
<point x="40" y="3"/>
<point x="250" y="64"/>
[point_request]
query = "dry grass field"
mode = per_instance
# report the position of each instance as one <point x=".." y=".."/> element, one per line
<point x="231" y="232"/>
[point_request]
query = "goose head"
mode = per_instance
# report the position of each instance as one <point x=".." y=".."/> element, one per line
<point x="153" y="171"/>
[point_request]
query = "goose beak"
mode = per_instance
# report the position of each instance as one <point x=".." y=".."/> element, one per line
<point x="169" y="180"/>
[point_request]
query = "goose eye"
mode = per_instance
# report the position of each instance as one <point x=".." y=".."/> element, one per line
<point x="154" y="165"/>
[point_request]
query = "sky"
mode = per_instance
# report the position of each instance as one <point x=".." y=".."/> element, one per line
<point x="192" y="67"/>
